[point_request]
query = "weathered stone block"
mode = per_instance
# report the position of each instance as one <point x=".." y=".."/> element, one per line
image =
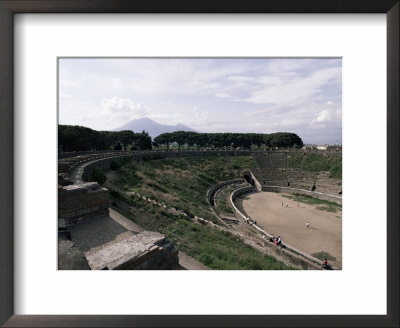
<point x="144" y="251"/>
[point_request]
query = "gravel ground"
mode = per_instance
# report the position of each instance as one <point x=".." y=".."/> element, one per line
<point x="95" y="232"/>
<point x="69" y="257"/>
<point x="324" y="233"/>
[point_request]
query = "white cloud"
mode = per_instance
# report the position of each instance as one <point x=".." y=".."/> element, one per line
<point x="293" y="91"/>
<point x="324" y="116"/>
<point x="109" y="114"/>
<point x="126" y="106"/>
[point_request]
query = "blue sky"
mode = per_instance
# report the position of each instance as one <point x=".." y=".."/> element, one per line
<point x="265" y="95"/>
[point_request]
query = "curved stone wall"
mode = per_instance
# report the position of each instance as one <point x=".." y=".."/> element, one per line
<point x="234" y="195"/>
<point x="166" y="154"/>
<point x="213" y="191"/>
<point x="177" y="153"/>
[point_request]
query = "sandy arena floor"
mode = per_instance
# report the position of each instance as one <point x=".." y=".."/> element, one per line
<point x="324" y="233"/>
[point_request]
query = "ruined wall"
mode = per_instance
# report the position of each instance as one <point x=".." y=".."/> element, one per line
<point x="84" y="172"/>
<point x="77" y="203"/>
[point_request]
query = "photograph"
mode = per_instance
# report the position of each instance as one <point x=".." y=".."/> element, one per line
<point x="201" y="150"/>
<point x="199" y="163"/>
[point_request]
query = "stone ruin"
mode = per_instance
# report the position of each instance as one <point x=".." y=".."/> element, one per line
<point x="77" y="203"/>
<point x="90" y="239"/>
<point x="147" y="251"/>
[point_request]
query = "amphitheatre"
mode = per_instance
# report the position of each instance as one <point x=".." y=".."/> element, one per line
<point x="197" y="209"/>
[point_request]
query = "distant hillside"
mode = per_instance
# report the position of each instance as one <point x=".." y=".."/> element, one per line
<point x="153" y="128"/>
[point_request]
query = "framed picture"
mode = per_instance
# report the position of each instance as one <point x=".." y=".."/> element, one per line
<point x="39" y="43"/>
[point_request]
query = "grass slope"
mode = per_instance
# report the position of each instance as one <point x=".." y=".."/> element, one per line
<point x="182" y="184"/>
<point x="217" y="249"/>
<point x="318" y="163"/>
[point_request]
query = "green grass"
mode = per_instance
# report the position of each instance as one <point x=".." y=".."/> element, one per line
<point x="217" y="249"/>
<point x="98" y="175"/>
<point x="324" y="255"/>
<point x="324" y="205"/>
<point x="327" y="208"/>
<point x="318" y="163"/>
<point x="223" y="202"/>
<point x="222" y="205"/>
<point x="183" y="182"/>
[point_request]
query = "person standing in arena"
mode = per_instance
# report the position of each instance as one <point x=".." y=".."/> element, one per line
<point x="308" y="224"/>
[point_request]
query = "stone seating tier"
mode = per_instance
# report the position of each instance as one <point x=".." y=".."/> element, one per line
<point x="281" y="183"/>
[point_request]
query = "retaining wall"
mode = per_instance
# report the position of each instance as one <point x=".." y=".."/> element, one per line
<point x="211" y="193"/>
<point x="77" y="203"/>
<point x="234" y="195"/>
<point x="84" y="172"/>
<point x="175" y="153"/>
<point x="256" y="182"/>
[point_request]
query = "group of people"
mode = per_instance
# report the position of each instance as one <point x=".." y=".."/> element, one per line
<point x="277" y="241"/>
<point x="250" y="221"/>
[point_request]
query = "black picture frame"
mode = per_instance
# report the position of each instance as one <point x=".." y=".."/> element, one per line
<point x="10" y="7"/>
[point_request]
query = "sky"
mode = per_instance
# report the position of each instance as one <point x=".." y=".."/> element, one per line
<point x="260" y="95"/>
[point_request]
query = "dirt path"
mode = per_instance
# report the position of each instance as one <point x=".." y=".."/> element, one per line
<point x="324" y="233"/>
<point x="126" y="223"/>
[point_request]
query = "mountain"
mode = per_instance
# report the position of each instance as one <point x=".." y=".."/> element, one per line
<point x="153" y="128"/>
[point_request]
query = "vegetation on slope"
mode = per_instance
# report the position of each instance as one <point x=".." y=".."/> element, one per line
<point x="181" y="183"/>
<point x="222" y="202"/>
<point x="98" y="175"/>
<point x="215" y="248"/>
<point x="317" y="163"/>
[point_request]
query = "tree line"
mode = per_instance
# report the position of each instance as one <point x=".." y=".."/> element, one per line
<point x="233" y="140"/>
<point x="80" y="138"/>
